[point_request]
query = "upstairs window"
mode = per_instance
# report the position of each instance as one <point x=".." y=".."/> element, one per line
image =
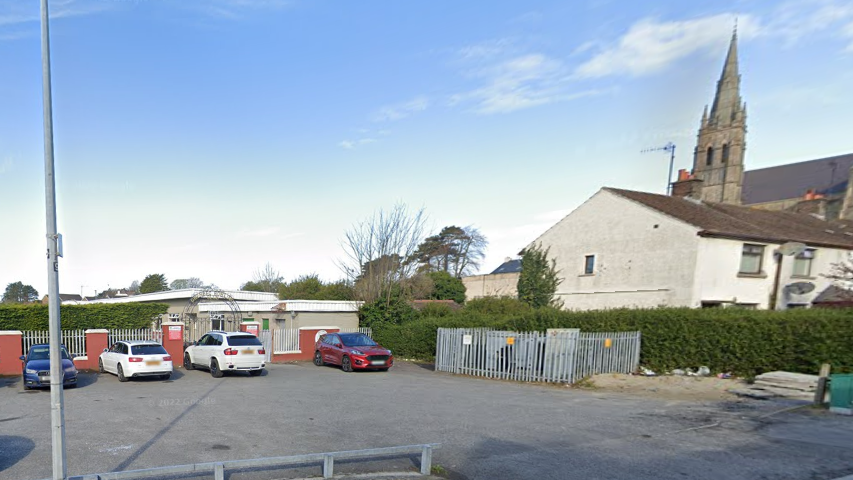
<point x="709" y="158"/>
<point x="589" y="264"/>
<point x="725" y="157"/>
<point x="803" y="263"/>
<point x="750" y="260"/>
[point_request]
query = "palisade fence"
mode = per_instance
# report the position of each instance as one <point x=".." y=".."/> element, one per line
<point x="559" y="355"/>
<point x="286" y="340"/>
<point x="135" y="334"/>
<point x="74" y="340"/>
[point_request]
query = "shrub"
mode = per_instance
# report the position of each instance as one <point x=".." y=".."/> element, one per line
<point x="99" y="315"/>
<point x="745" y="342"/>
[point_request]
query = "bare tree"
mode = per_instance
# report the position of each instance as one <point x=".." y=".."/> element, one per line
<point x="266" y="279"/>
<point x="377" y="251"/>
<point x="181" y="283"/>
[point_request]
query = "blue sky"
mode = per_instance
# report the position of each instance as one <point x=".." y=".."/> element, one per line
<point x="207" y="138"/>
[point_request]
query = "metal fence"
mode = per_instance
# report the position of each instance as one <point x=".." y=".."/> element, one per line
<point x="137" y="334"/>
<point x="220" y="470"/>
<point x="74" y="340"/>
<point x="559" y="355"/>
<point x="365" y="330"/>
<point x="286" y="340"/>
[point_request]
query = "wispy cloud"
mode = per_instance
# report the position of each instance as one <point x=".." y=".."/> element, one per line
<point x="353" y="144"/>
<point x="261" y="232"/>
<point x="401" y="110"/>
<point x="239" y="9"/>
<point x="486" y="50"/>
<point x="6" y="165"/>
<point x="521" y="82"/>
<point x="14" y="15"/>
<point x="795" y="21"/>
<point x="650" y="46"/>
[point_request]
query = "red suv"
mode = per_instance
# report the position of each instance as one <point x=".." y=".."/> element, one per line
<point x="352" y="351"/>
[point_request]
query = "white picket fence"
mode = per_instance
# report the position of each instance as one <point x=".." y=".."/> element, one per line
<point x="134" y="334"/>
<point x="74" y="340"/>
<point x="286" y="340"/>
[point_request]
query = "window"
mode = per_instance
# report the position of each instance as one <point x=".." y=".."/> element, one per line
<point x="750" y="260"/>
<point x="589" y="264"/>
<point x="803" y="263"/>
<point x="243" y="341"/>
<point x="709" y="158"/>
<point x="725" y="153"/>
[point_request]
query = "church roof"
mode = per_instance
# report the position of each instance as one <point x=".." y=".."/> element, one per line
<point x="825" y="175"/>
<point x="732" y="221"/>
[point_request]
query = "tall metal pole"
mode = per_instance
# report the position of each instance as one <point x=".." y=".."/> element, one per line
<point x="57" y="407"/>
<point x="671" y="147"/>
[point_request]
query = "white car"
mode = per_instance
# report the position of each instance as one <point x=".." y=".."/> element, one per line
<point x="136" y="358"/>
<point x="222" y="352"/>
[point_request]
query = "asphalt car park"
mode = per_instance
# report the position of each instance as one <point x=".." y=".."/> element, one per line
<point x="488" y="429"/>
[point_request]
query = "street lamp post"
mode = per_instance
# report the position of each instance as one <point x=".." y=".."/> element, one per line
<point x="54" y="242"/>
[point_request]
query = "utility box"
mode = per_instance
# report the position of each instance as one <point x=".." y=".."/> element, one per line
<point x="841" y="393"/>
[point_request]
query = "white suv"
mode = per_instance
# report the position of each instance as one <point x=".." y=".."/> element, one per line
<point x="222" y="352"/>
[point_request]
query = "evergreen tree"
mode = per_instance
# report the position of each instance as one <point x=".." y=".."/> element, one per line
<point x="538" y="280"/>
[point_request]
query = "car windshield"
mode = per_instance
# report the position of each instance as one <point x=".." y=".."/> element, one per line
<point x="148" y="349"/>
<point x="357" y="340"/>
<point x="243" y="340"/>
<point x="42" y="352"/>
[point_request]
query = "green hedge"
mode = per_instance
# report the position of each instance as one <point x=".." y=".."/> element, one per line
<point x="745" y="342"/>
<point x="73" y="317"/>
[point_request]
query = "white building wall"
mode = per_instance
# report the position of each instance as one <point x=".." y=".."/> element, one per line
<point x="718" y="278"/>
<point x="643" y="258"/>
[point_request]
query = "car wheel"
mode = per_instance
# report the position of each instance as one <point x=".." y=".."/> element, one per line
<point x="318" y="359"/>
<point x="188" y="365"/>
<point x="215" y="372"/>
<point x="346" y="365"/>
<point x="101" y="366"/>
<point x="256" y="373"/>
<point x="120" y="373"/>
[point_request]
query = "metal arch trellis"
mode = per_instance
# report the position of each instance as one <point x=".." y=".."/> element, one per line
<point x="232" y="317"/>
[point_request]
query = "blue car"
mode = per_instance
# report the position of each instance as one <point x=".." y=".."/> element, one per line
<point x="37" y="367"/>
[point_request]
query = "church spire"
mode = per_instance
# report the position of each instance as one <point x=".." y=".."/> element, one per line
<point x="728" y="105"/>
<point x="718" y="159"/>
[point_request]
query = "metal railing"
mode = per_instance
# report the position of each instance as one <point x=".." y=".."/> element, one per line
<point x="365" y="330"/>
<point x="74" y="340"/>
<point x="327" y="459"/>
<point x="560" y="355"/>
<point x="134" y="334"/>
<point x="286" y="340"/>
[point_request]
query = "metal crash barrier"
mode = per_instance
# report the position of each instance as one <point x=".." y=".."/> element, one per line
<point x="327" y="459"/>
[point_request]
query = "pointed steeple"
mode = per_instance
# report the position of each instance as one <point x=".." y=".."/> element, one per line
<point x="727" y="102"/>
<point x="718" y="159"/>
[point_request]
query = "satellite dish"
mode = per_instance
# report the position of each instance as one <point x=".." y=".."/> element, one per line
<point x="791" y="248"/>
<point x="800" y="288"/>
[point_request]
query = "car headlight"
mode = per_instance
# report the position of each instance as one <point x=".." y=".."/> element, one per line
<point x="357" y="352"/>
<point x="29" y="370"/>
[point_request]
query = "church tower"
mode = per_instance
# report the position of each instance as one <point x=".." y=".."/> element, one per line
<point x="721" y="143"/>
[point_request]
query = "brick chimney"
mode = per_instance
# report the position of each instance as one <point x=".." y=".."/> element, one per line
<point x="687" y="185"/>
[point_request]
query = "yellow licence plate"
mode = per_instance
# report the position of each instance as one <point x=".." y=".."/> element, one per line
<point x="247" y="351"/>
<point x="152" y="362"/>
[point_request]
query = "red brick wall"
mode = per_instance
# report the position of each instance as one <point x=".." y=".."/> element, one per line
<point x="11" y="349"/>
<point x="306" y="345"/>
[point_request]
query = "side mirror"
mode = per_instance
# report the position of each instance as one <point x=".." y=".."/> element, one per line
<point x="74" y="355"/>
<point x="106" y="349"/>
<point x="339" y="345"/>
<point x="195" y="343"/>
<point x="22" y="357"/>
